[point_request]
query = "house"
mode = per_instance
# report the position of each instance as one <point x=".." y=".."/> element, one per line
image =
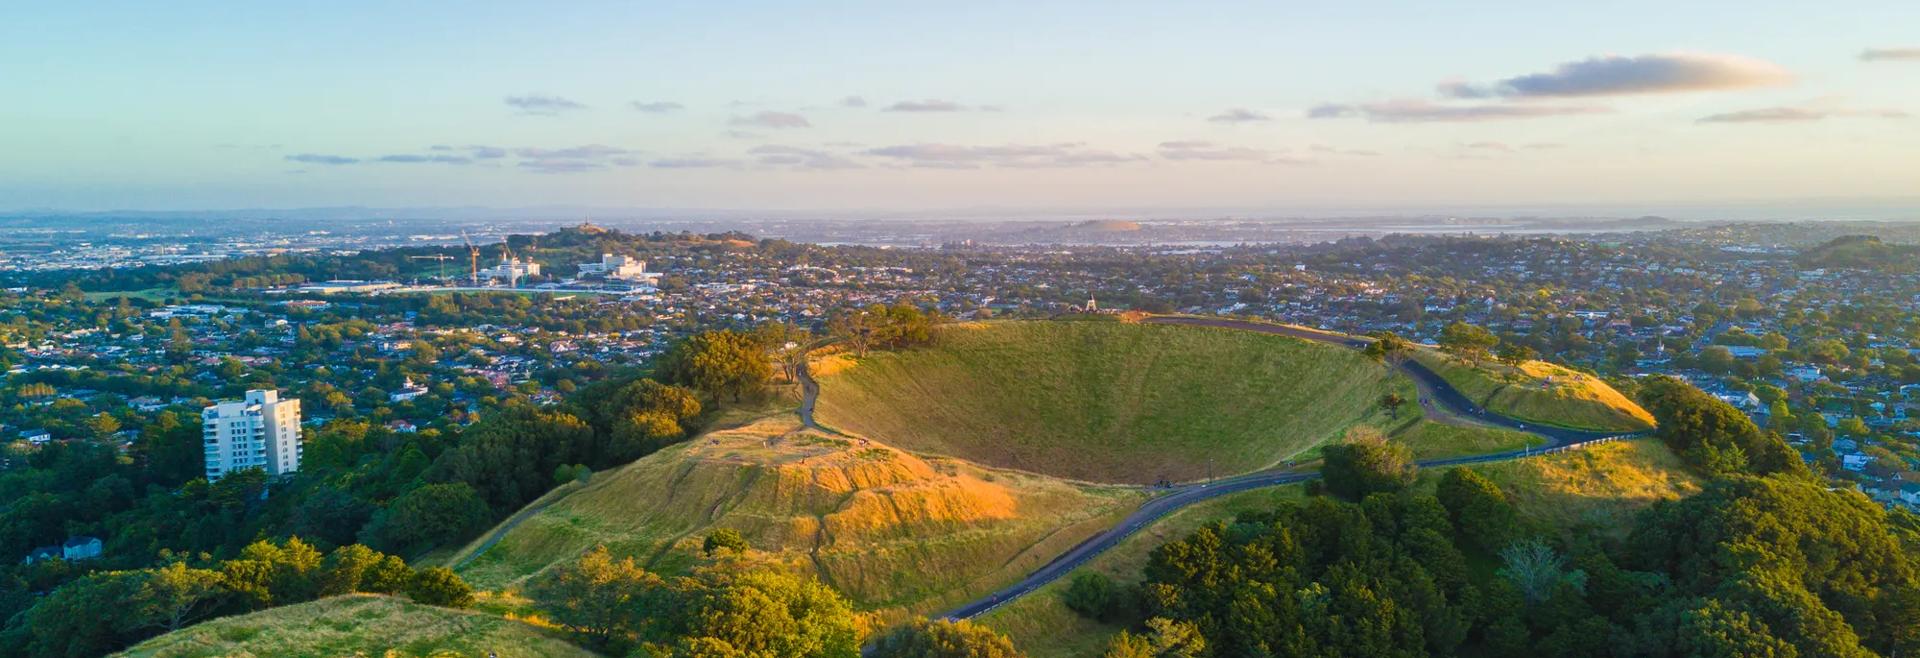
<point x="37" y="437"/>
<point x="407" y="392"/>
<point x="80" y="547"/>
<point x="1804" y="373"/>
<point x="1855" y="462"/>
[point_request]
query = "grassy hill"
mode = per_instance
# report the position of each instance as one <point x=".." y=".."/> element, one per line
<point x="1540" y="392"/>
<point x="1108" y="401"/>
<point x="888" y="529"/>
<point x="360" y="625"/>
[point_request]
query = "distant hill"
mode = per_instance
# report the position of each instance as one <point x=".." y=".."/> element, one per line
<point x="1110" y="401"/>
<point x="360" y="625"/>
<point x="1862" y="252"/>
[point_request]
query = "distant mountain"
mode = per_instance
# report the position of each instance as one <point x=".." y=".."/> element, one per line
<point x="1862" y="252"/>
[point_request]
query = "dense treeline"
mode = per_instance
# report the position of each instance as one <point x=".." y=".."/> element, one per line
<point x="106" y="611"/>
<point x="1766" y="561"/>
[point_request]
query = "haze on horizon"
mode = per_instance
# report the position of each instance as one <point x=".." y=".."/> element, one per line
<point x="869" y="105"/>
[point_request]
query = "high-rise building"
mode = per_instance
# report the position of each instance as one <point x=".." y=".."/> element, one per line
<point x="261" y="431"/>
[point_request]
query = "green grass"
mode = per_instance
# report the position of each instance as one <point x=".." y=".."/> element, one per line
<point x="1108" y="401"/>
<point x="1541" y="392"/>
<point x="1042" y="626"/>
<point x="1432" y="440"/>
<point x="360" y="625"/>
<point x="895" y="532"/>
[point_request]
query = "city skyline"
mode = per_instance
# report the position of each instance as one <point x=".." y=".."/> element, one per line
<point x="877" y="107"/>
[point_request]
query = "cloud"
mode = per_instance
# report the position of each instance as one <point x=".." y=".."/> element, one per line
<point x="574" y="159"/>
<point x="543" y="105"/>
<point x="1419" y="111"/>
<point x="320" y="158"/>
<point x="475" y="151"/>
<point x="1797" y="115"/>
<point x="853" y="101"/>
<point x="411" y="158"/>
<point x="1323" y="148"/>
<point x="770" y="119"/>
<point x="1239" y="115"/>
<point x="1890" y="54"/>
<point x="1200" y="150"/>
<point x="928" y="105"/>
<point x="775" y="155"/>
<point x="1543" y="146"/>
<point x="692" y="163"/>
<point x="656" y="107"/>
<point x="1489" y="146"/>
<point x="587" y="151"/>
<point x="1615" y="75"/>
<point x="952" y="156"/>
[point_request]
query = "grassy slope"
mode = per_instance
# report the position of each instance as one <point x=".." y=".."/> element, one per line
<point x="1431" y="440"/>
<point x="1541" y="392"/>
<point x="1108" y="401"/>
<point x="362" y="625"/>
<point x="1603" y="485"/>
<point x="891" y="530"/>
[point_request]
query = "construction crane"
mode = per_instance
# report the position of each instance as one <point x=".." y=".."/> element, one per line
<point x="473" y="259"/>
<point x="442" y="258"/>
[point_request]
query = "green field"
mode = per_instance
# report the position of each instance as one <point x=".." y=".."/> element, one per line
<point x="894" y="532"/>
<point x="360" y="625"/>
<point x="1541" y="392"/>
<point x="1433" y="440"/>
<point x="1108" y="401"/>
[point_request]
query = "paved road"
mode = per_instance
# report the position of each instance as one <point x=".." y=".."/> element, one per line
<point x="1434" y="390"/>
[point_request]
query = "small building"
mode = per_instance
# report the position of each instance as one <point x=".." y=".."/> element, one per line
<point x="80" y="547"/>
<point x="407" y="392"/>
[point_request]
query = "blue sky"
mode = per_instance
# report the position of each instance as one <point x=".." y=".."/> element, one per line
<point x="923" y="105"/>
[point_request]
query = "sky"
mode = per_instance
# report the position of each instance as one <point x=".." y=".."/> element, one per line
<point x="985" y="104"/>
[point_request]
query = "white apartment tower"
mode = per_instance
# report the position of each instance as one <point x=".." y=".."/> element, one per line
<point x="261" y="431"/>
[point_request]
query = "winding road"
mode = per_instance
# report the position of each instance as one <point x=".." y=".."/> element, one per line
<point x="1437" y="398"/>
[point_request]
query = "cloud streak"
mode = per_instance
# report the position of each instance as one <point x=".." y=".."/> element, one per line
<point x="1797" y="115"/>
<point x="775" y="155"/>
<point x="543" y="105"/>
<point x="1420" y="111"/>
<point x="1209" y="151"/>
<point x="1615" y="75"/>
<point x="1890" y="55"/>
<point x="1239" y="115"/>
<point x="321" y="159"/>
<point x="771" y="119"/>
<point x="656" y="107"/>
<point x="952" y="156"/>
<point x="927" y="105"/>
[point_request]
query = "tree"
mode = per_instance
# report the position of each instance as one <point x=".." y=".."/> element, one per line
<point x="1712" y="436"/>
<point x="1515" y="354"/>
<point x="943" y="639"/>
<point x="174" y="596"/>
<point x="1366" y="463"/>
<point x="439" y="586"/>
<point x="1538" y="571"/>
<point x="859" y="328"/>
<point x="1095" y="596"/>
<point x="1165" y="638"/>
<point x="428" y="516"/>
<point x="1478" y="509"/>
<point x="1387" y="347"/>
<point x="1391" y="402"/>
<point x="1466" y="341"/>
<point x="720" y="364"/>
<point x="755" y="613"/>
<point x="724" y="538"/>
<point x="598" y="597"/>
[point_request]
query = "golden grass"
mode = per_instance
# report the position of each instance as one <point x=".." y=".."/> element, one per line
<point x="893" y="531"/>
<point x="1603" y="485"/>
<point x="360" y="625"/>
<point x="1541" y="392"/>
<point x="1107" y="401"/>
<point x="1042" y="626"/>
